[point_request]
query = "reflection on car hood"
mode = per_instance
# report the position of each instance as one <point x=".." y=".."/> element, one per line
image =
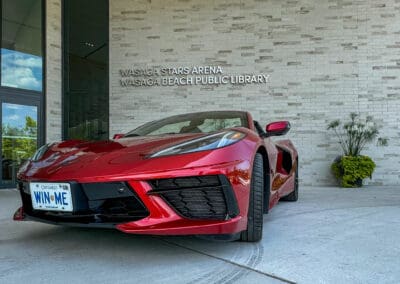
<point x="72" y="155"/>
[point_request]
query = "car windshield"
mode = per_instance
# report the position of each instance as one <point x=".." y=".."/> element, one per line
<point x="203" y="122"/>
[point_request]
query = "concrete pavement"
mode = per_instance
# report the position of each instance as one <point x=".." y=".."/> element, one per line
<point x="331" y="235"/>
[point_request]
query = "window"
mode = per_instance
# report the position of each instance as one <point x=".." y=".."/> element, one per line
<point x="85" y="102"/>
<point x="18" y="137"/>
<point x="21" y="45"/>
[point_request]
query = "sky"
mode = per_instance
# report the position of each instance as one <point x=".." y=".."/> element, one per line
<point x="21" y="70"/>
<point x="14" y="115"/>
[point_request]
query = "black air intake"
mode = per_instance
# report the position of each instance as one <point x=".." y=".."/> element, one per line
<point x="198" y="197"/>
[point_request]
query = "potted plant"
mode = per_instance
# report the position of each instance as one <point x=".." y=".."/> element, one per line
<point x="352" y="167"/>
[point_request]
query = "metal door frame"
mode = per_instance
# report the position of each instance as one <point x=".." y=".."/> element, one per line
<point x="26" y="97"/>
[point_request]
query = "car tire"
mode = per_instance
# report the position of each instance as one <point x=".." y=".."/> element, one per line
<point x="256" y="200"/>
<point x="294" y="195"/>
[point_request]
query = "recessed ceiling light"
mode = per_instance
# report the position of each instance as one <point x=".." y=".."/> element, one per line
<point x="90" y="44"/>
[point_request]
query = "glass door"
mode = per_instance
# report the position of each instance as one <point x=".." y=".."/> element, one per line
<point x="19" y="138"/>
<point x="22" y="50"/>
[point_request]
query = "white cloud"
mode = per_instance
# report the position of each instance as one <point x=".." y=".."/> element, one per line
<point x="19" y="77"/>
<point x="29" y="62"/>
<point x="21" y="59"/>
<point x="14" y="117"/>
<point x="12" y="106"/>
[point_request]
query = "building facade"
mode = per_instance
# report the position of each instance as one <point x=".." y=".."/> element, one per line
<point x="109" y="66"/>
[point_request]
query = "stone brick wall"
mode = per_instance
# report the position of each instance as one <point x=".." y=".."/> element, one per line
<point x="53" y="70"/>
<point x="325" y="58"/>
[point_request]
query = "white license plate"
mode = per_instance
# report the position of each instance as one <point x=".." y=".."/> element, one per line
<point x="51" y="196"/>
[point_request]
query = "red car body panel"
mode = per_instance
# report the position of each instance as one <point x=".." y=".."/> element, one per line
<point x="127" y="159"/>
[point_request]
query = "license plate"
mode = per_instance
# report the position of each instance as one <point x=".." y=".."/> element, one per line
<point x="51" y="196"/>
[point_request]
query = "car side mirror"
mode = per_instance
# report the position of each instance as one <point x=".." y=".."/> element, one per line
<point x="118" y="136"/>
<point x="277" y="128"/>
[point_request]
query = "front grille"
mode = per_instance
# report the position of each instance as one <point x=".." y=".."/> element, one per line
<point x="199" y="197"/>
<point x="112" y="203"/>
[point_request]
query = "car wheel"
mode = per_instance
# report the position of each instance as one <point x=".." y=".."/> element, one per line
<point x="294" y="195"/>
<point x="256" y="200"/>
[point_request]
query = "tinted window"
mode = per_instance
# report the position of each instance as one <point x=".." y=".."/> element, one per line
<point x="86" y="69"/>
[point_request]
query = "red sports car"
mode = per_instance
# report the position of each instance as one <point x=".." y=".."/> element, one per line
<point x="209" y="173"/>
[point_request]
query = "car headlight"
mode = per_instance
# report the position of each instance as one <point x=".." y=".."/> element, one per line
<point x="209" y="142"/>
<point x="40" y="152"/>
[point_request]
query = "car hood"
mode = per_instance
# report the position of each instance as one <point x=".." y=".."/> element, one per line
<point x="74" y="158"/>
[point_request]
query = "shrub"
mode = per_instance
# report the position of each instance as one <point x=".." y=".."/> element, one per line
<point x="352" y="170"/>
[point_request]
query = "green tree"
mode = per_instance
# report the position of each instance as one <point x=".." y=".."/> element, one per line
<point x="19" y="143"/>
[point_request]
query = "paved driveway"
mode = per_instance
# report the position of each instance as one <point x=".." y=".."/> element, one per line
<point x="330" y="235"/>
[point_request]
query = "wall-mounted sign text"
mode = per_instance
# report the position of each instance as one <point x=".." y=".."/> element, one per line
<point x="185" y="76"/>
